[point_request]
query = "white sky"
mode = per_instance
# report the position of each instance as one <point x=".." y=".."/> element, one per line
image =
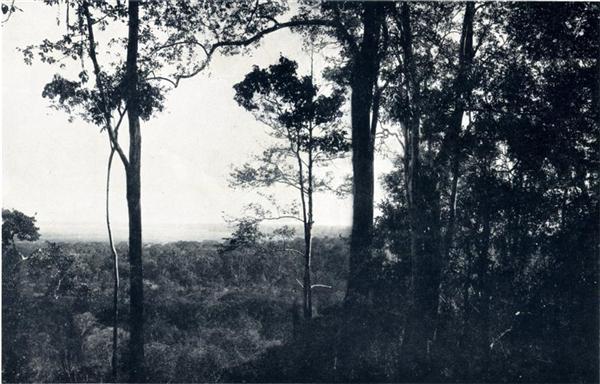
<point x="56" y="169"/>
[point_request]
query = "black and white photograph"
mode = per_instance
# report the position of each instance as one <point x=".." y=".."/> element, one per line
<point x="300" y="191"/>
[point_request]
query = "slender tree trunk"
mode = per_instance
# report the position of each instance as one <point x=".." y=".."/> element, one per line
<point x="114" y="359"/>
<point x="412" y="135"/>
<point x="449" y="236"/>
<point x="113" y="142"/>
<point x="308" y="231"/>
<point x="307" y="275"/>
<point x="306" y="226"/>
<point x="463" y="88"/>
<point x="364" y="77"/>
<point x="136" y="292"/>
<point x="423" y="201"/>
<point x="420" y="324"/>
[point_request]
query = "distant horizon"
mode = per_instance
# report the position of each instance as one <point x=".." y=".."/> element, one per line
<point x="157" y="233"/>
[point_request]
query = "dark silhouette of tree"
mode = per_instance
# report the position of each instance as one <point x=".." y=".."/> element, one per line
<point x="308" y="126"/>
<point x="132" y="170"/>
<point x="365" y="65"/>
<point x="17" y="224"/>
<point x="359" y="29"/>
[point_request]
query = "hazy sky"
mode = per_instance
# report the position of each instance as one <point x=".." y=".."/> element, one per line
<point x="57" y="169"/>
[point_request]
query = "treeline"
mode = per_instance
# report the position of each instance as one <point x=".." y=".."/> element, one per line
<point x="483" y="263"/>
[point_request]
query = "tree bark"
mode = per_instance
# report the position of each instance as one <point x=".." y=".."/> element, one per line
<point x="136" y="291"/>
<point x="364" y="77"/>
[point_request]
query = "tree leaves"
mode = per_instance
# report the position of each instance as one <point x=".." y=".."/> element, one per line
<point x="278" y="96"/>
<point x="16" y="223"/>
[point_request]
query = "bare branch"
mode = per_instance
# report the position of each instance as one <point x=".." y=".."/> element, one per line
<point x="173" y="83"/>
<point x="116" y="128"/>
<point x="253" y="39"/>
<point x="177" y="43"/>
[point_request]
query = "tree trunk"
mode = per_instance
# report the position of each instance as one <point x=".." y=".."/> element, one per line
<point x="463" y="88"/>
<point x="308" y="225"/>
<point x="423" y="309"/>
<point x="307" y="266"/>
<point x="428" y="249"/>
<point x="364" y="77"/>
<point x="136" y="292"/>
<point x="412" y="136"/>
<point x="113" y="143"/>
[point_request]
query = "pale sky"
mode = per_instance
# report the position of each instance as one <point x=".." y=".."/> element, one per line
<point x="57" y="169"/>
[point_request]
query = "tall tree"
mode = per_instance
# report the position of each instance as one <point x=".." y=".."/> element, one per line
<point x="134" y="209"/>
<point x="363" y="82"/>
<point x="112" y="93"/>
<point x="308" y="125"/>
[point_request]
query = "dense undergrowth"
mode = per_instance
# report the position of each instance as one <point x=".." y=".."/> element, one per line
<point x="230" y="312"/>
<point x="206" y="309"/>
